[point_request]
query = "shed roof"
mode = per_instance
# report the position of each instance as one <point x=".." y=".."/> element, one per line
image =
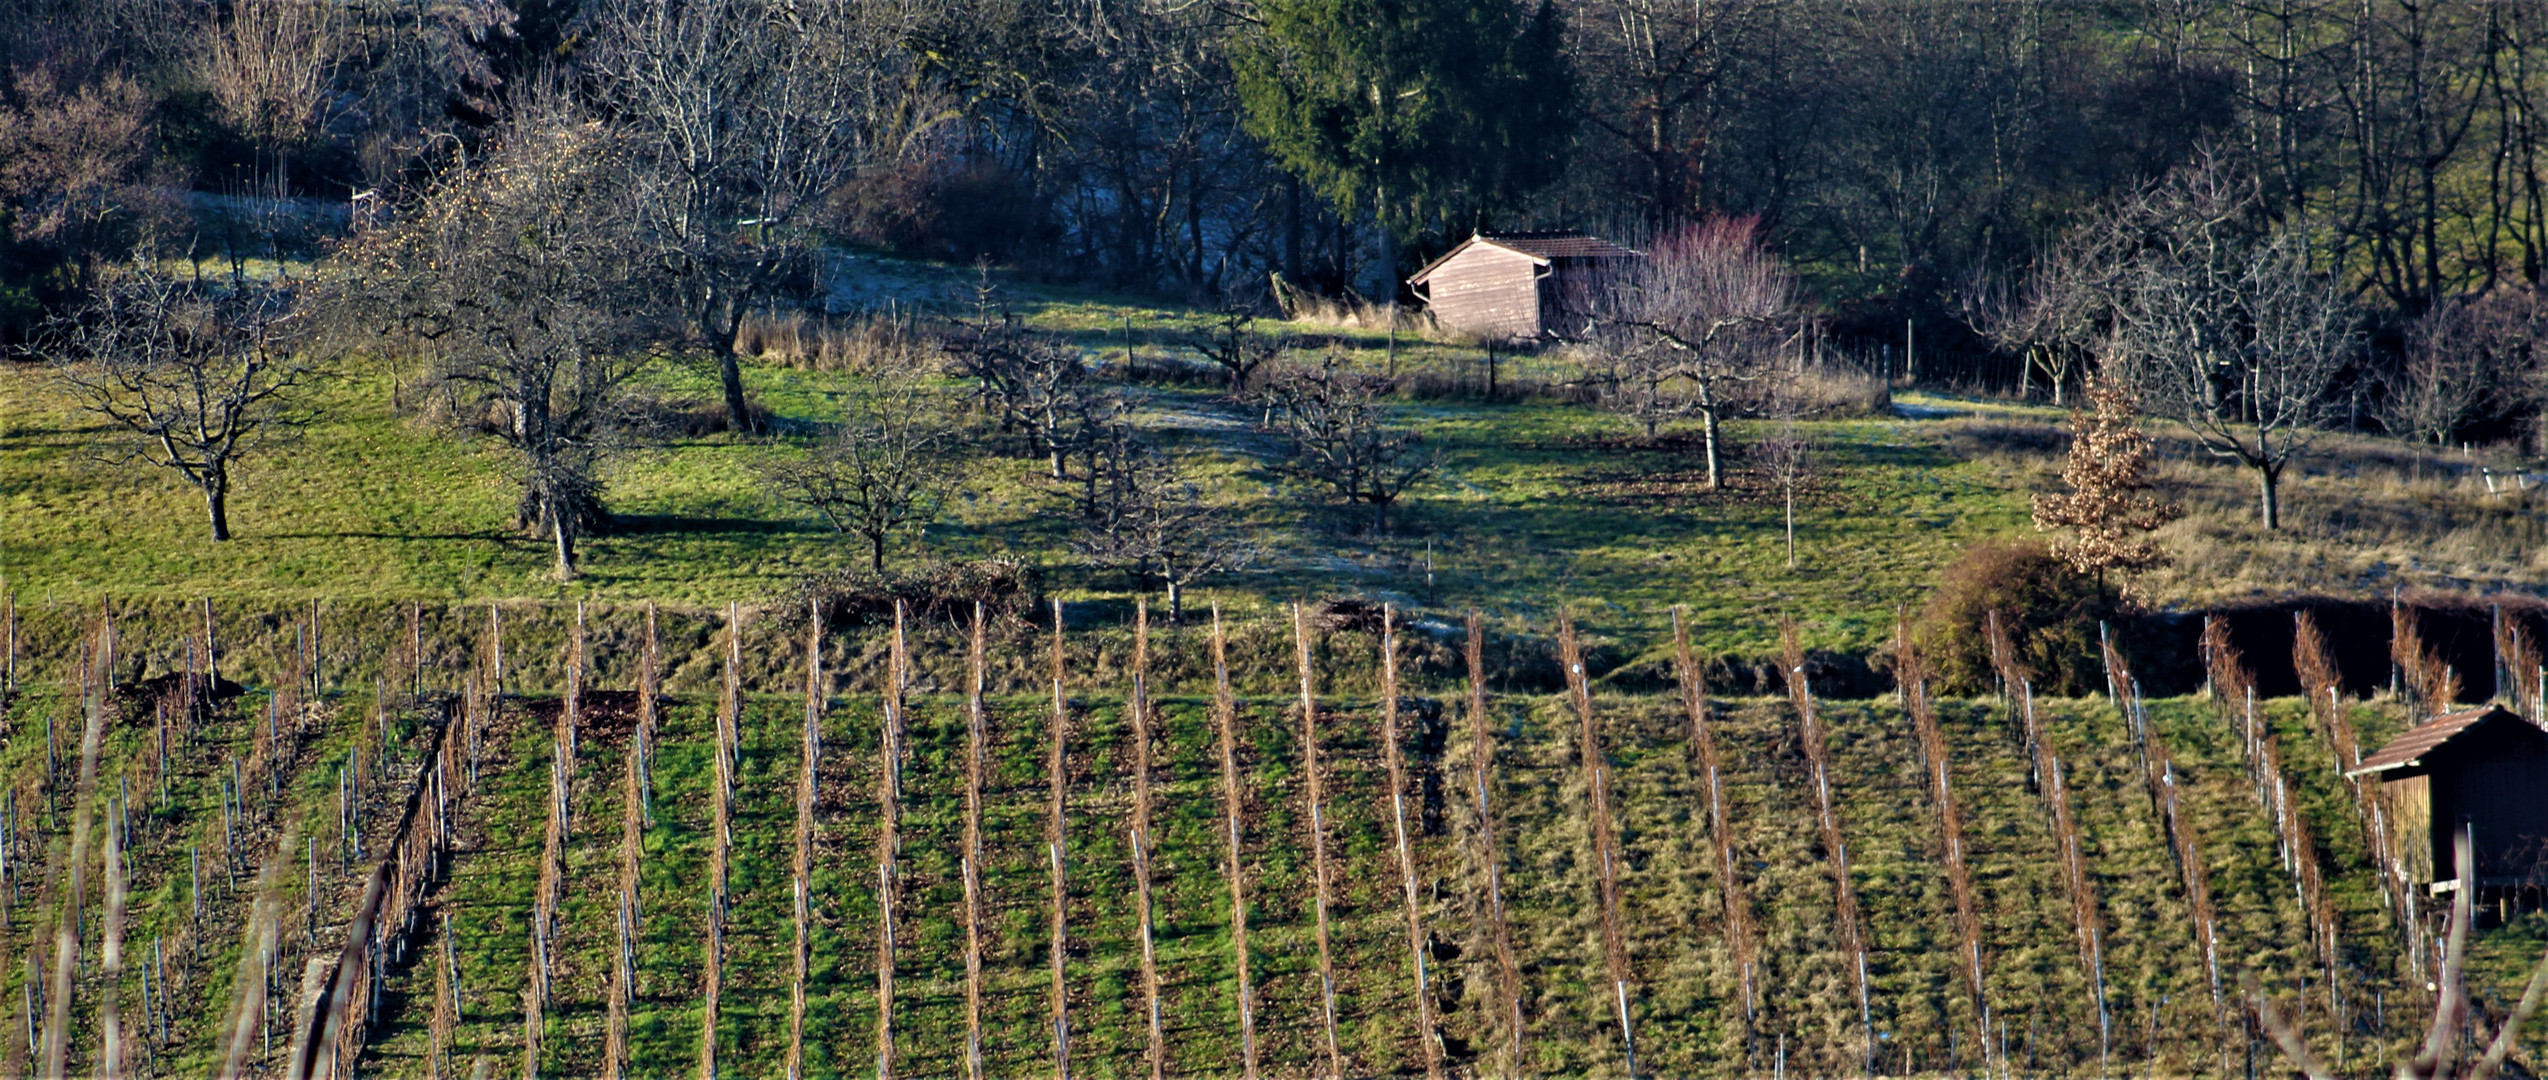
<point x="1559" y="245"/>
<point x="1540" y="247"/>
<point x="2410" y="747"/>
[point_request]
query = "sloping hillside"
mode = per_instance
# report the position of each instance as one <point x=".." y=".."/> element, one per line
<point x="286" y="834"/>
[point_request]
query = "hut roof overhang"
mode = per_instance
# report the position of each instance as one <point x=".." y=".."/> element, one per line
<point x="2410" y="749"/>
<point x="1543" y="249"/>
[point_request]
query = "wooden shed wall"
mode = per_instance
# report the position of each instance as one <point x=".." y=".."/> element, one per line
<point x="1486" y="291"/>
<point x="2491" y="784"/>
<point x="2407" y="806"/>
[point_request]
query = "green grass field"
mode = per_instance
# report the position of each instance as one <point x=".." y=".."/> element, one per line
<point x="1540" y="505"/>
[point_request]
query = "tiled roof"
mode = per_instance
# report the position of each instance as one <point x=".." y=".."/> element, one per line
<point x="2423" y="739"/>
<point x="1559" y="245"/>
<point x="1542" y="246"/>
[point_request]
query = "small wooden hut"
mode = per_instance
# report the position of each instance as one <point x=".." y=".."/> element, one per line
<point x="2484" y="770"/>
<point x="1517" y="286"/>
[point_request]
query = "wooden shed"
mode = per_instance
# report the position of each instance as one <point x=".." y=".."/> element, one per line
<point x="1517" y="286"/>
<point x="2484" y="770"/>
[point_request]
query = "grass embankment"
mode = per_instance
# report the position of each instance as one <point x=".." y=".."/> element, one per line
<point x="1689" y="1020"/>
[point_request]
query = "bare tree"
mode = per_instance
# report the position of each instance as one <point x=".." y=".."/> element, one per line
<point x="1036" y="383"/>
<point x="1787" y="459"/>
<point x="1233" y="345"/>
<point x="2053" y="319"/>
<point x="513" y="281"/>
<point x="888" y="467"/>
<point x="1154" y="519"/>
<point x="270" y="67"/>
<point x="2459" y="356"/>
<point x="195" y="377"/>
<point x="2220" y="322"/>
<point x="73" y="154"/>
<point x="741" y="117"/>
<point x="1692" y="329"/>
<point x="1341" y="438"/>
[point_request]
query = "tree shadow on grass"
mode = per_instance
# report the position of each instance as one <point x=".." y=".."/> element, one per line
<point x="662" y="524"/>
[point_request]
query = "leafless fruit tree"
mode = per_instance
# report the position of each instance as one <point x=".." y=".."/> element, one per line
<point x="194" y="376"/>
<point x="742" y="119"/>
<point x="2219" y="321"/>
<point x="512" y="280"/>
<point x="1341" y="438"/>
<point x="888" y="468"/>
<point x="1787" y="460"/>
<point x="1036" y="383"/>
<point x="2051" y="318"/>
<point x="1232" y="344"/>
<point x="1694" y="328"/>
<point x="2461" y="358"/>
<point x="1153" y="519"/>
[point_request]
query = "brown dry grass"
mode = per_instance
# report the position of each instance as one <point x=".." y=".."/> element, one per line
<point x="866" y="344"/>
<point x="2361" y="514"/>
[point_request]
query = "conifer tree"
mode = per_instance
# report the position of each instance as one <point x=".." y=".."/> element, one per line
<point x="1421" y="112"/>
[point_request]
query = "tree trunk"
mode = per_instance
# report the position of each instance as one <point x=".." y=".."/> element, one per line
<point x="2269" y="499"/>
<point x="1176" y="600"/>
<point x="1707" y="423"/>
<point x="738" y="411"/>
<point x="1379" y="518"/>
<point x="216" y="497"/>
<point x="565" y="535"/>
<point x="876" y="552"/>
<point x="1791" y="526"/>
<point x="725" y="327"/>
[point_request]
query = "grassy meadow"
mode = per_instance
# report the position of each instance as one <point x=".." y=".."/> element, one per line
<point x="1539" y="503"/>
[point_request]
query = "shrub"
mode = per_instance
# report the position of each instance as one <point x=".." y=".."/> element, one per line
<point x="2049" y="610"/>
<point x="943" y="592"/>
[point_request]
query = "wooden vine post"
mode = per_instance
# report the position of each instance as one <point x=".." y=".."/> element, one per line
<point x="1426" y="1030"/>
<point x="1614" y="946"/>
<point x="1508" y="968"/>
<point x="1321" y="884"/>
<point x="809" y="755"/>
<point x="720" y="840"/>
<point x="2056" y="790"/>
<point x="1959" y="878"/>
<point x="1741" y="939"/>
<point x="2182" y="841"/>
<point x="110" y="1020"/>
<point x="1225" y="717"/>
<point x="650" y="678"/>
<point x="1058" y="771"/>
<point x="446" y="1014"/>
<point x="1827" y="816"/>
<point x="975" y="734"/>
<point x="1139" y="707"/>
<point x="888" y="842"/>
<point x="632" y="817"/>
<point x="552" y="857"/>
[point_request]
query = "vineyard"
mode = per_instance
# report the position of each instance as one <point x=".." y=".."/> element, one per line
<point x="627" y="841"/>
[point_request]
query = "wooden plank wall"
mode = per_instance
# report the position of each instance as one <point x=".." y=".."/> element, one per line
<point x="1486" y="292"/>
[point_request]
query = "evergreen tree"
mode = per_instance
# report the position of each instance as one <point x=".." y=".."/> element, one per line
<point x="1427" y="114"/>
